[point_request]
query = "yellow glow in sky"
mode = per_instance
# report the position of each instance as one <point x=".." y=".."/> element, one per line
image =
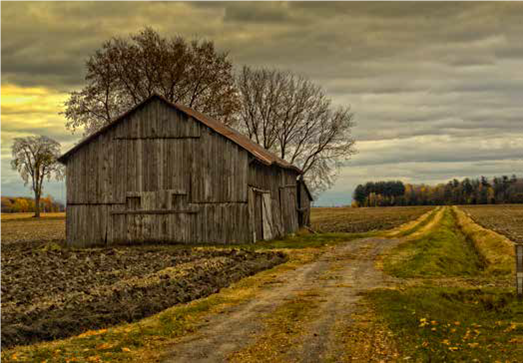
<point x="17" y="99"/>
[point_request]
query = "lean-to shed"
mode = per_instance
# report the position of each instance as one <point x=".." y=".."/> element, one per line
<point x="163" y="172"/>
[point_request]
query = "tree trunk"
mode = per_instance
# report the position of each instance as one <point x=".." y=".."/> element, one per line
<point x="37" y="205"/>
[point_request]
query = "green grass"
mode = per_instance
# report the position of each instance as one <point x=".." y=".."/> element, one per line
<point x="444" y="251"/>
<point x="435" y="324"/>
<point x="448" y="324"/>
<point x="311" y="240"/>
<point x="297" y="241"/>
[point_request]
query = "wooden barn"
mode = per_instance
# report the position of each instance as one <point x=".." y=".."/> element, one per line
<point x="163" y="172"/>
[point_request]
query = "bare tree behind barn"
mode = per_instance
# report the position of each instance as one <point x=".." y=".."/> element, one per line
<point x="293" y="117"/>
<point x="127" y="70"/>
<point x="163" y="172"/>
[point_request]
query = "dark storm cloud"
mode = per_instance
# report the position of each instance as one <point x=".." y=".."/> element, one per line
<point x="436" y="86"/>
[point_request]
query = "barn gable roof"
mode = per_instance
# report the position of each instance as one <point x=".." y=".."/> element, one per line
<point x="260" y="154"/>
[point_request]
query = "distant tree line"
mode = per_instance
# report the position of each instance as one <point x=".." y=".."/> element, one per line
<point x="498" y="190"/>
<point x="24" y="204"/>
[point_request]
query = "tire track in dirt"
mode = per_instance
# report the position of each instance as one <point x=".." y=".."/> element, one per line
<point x="340" y="275"/>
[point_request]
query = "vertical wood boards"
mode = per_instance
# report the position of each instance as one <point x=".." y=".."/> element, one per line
<point x="304" y="205"/>
<point x="252" y="218"/>
<point x="161" y="176"/>
<point x="267" y="220"/>
<point x="219" y="170"/>
<point x="258" y="216"/>
<point x="282" y="184"/>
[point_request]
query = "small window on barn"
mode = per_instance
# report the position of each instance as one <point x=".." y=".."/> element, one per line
<point x="133" y="203"/>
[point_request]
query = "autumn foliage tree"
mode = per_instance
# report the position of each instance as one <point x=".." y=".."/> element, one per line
<point x="293" y="117"/>
<point x="497" y="190"/>
<point x="126" y="71"/>
<point x="35" y="158"/>
<point x="24" y="204"/>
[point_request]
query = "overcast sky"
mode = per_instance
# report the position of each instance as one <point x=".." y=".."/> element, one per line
<point x="437" y="88"/>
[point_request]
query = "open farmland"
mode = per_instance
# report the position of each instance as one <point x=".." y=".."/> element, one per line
<point x="505" y="219"/>
<point x="358" y="220"/>
<point x="21" y="227"/>
<point x="53" y="293"/>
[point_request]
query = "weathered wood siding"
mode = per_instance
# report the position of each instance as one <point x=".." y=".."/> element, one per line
<point x="157" y="176"/>
<point x="281" y="184"/>
<point x="161" y="176"/>
<point x="304" y="205"/>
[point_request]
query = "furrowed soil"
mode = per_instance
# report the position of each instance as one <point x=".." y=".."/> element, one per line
<point x="50" y="292"/>
<point x="359" y="220"/>
<point x="504" y="219"/>
<point x="343" y="308"/>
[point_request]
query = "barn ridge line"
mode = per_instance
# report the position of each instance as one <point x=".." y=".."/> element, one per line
<point x="260" y="153"/>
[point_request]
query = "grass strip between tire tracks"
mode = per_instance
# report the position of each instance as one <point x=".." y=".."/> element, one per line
<point x="443" y="251"/>
<point x="414" y="226"/>
<point x="439" y="322"/>
<point x="495" y="249"/>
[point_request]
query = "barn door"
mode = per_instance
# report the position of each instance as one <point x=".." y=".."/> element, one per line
<point x="288" y="208"/>
<point x="260" y="214"/>
<point x="267" y="220"/>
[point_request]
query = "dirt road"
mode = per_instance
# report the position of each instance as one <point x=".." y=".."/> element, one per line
<point x="328" y="291"/>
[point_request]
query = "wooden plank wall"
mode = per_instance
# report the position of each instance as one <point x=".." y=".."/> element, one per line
<point x="304" y="204"/>
<point x="282" y="184"/>
<point x="192" y="183"/>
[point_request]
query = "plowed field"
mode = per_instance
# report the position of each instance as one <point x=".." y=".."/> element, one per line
<point x="51" y="292"/>
<point x="22" y="227"/>
<point x="505" y="219"/>
<point x="357" y="220"/>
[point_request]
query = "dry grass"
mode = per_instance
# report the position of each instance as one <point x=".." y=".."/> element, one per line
<point x="417" y="227"/>
<point x="364" y="338"/>
<point x="17" y="216"/>
<point x="455" y="306"/>
<point x="359" y="220"/>
<point x="495" y="249"/>
<point x="283" y="331"/>
<point x="442" y="251"/>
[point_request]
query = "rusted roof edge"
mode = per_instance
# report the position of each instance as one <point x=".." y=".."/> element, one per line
<point x="254" y="149"/>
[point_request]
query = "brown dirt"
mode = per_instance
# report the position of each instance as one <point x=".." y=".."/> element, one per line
<point x="359" y="220"/>
<point x="54" y="293"/>
<point x="22" y="227"/>
<point x="506" y="219"/>
<point x="332" y="285"/>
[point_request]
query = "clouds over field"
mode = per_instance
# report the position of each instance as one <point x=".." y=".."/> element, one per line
<point x="437" y="88"/>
